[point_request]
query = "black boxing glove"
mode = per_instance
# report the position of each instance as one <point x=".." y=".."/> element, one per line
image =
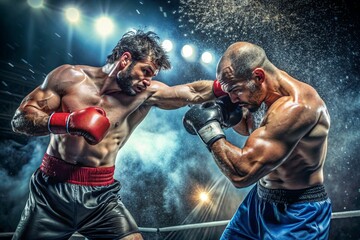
<point x="204" y="120"/>
<point x="232" y="112"/>
<point x="208" y="119"/>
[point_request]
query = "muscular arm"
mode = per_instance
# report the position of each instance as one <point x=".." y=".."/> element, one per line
<point x="32" y="116"/>
<point x="33" y="113"/>
<point x="267" y="147"/>
<point x="167" y="97"/>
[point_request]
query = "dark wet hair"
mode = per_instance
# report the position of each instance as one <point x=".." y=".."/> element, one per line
<point x="141" y="45"/>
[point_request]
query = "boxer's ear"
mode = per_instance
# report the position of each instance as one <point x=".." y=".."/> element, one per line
<point x="259" y="75"/>
<point x="125" y="60"/>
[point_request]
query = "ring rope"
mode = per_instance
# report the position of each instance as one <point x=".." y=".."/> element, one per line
<point x="335" y="215"/>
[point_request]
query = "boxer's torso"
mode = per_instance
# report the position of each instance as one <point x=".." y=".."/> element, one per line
<point x="124" y="112"/>
<point x="304" y="166"/>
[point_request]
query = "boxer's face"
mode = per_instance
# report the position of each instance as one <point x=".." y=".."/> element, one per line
<point x="244" y="92"/>
<point x="136" y="76"/>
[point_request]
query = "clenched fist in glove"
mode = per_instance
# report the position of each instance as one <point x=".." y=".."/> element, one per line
<point x="91" y="123"/>
<point x="208" y="119"/>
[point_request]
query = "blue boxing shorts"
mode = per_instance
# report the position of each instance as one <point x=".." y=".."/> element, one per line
<point x="281" y="214"/>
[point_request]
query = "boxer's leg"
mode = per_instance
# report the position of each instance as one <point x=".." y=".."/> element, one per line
<point x="43" y="216"/>
<point x="294" y="214"/>
<point x="310" y="220"/>
<point x="102" y="215"/>
<point x="244" y="223"/>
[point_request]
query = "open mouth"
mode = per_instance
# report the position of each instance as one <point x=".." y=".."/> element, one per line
<point x="139" y="89"/>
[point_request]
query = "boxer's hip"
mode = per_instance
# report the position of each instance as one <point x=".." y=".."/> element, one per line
<point x="62" y="171"/>
<point x="285" y="196"/>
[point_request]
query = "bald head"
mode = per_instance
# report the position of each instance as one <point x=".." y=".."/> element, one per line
<point x="243" y="58"/>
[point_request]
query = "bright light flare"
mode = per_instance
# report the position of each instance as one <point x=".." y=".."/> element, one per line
<point x="204" y="197"/>
<point x="72" y="15"/>
<point x="167" y="45"/>
<point x="187" y="51"/>
<point x="104" y="26"/>
<point x="206" y="57"/>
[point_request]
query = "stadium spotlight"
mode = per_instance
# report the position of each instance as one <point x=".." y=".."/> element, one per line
<point x="72" y="15"/>
<point x="167" y="45"/>
<point x="187" y="51"/>
<point x="104" y="26"/>
<point x="206" y="57"/>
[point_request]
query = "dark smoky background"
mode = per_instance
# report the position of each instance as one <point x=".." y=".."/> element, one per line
<point x="162" y="168"/>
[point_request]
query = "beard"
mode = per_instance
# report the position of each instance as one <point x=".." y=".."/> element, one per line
<point x="259" y="115"/>
<point x="256" y="94"/>
<point x="124" y="80"/>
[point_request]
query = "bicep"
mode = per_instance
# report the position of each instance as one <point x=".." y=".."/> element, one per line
<point x="271" y="144"/>
<point x="44" y="100"/>
<point x="33" y="113"/>
<point x="260" y="155"/>
<point x="34" y="110"/>
<point x="268" y="146"/>
<point x="262" y="150"/>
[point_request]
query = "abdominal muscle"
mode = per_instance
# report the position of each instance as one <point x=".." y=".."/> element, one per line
<point x="75" y="150"/>
<point x="272" y="181"/>
<point x="294" y="173"/>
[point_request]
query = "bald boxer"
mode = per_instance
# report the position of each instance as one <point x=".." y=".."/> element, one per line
<point x="284" y="153"/>
<point x="90" y="112"/>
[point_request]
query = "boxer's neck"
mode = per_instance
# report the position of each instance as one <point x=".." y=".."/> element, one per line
<point x="110" y="84"/>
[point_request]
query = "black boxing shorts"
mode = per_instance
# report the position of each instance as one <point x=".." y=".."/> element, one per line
<point x="65" y="198"/>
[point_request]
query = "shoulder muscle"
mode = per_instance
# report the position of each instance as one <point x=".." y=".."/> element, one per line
<point x="286" y="124"/>
<point x="62" y="77"/>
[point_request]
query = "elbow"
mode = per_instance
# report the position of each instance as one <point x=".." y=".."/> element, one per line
<point x="246" y="178"/>
<point x="16" y="126"/>
<point x="246" y="175"/>
<point x="236" y="182"/>
<point x="30" y="123"/>
<point x="15" y="123"/>
<point x="19" y="123"/>
<point x="240" y="181"/>
<point x="240" y="184"/>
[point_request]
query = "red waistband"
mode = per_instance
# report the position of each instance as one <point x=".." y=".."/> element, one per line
<point x="66" y="172"/>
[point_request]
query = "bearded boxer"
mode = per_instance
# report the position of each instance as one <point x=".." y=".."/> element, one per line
<point x="284" y="154"/>
<point x="90" y="113"/>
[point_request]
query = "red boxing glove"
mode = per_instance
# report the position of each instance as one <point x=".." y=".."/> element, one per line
<point x="91" y="123"/>
<point x="217" y="90"/>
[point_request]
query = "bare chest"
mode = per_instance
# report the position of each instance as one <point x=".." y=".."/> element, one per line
<point x="118" y="106"/>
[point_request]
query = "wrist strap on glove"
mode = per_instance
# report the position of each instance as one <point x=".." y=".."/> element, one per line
<point x="58" y="123"/>
<point x="211" y="133"/>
